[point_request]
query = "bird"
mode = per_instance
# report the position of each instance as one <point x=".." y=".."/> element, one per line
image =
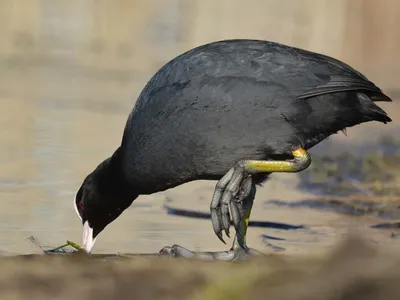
<point x="232" y="111"/>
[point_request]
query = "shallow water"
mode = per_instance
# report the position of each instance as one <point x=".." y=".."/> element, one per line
<point x="56" y="128"/>
<point x="58" y="123"/>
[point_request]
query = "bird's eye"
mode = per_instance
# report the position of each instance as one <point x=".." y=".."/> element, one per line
<point x="80" y="205"/>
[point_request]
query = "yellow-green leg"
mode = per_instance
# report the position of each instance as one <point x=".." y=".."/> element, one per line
<point x="233" y="200"/>
<point x="240" y="237"/>
<point x="224" y="205"/>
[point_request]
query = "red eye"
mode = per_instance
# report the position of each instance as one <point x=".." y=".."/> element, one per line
<point x="81" y="205"/>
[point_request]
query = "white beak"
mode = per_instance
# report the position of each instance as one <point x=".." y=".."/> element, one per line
<point x="88" y="240"/>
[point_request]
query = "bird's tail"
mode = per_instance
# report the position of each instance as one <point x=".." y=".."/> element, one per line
<point x="379" y="96"/>
<point x="371" y="111"/>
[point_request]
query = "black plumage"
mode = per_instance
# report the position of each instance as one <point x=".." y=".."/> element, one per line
<point x="221" y="103"/>
<point x="233" y="100"/>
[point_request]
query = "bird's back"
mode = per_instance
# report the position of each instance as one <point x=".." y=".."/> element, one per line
<point x="239" y="99"/>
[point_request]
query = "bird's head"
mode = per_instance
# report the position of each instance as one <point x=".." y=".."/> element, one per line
<point x="101" y="199"/>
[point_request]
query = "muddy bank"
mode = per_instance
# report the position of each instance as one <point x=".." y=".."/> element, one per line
<point x="354" y="271"/>
<point x="368" y="169"/>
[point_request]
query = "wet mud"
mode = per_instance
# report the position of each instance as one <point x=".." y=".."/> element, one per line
<point x="353" y="270"/>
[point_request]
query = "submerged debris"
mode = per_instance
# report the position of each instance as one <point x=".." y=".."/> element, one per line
<point x="72" y="248"/>
<point x="63" y="249"/>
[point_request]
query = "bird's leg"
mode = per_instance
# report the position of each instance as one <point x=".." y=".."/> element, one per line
<point x="239" y="250"/>
<point x="245" y="202"/>
<point x="235" y="192"/>
<point x="227" y="188"/>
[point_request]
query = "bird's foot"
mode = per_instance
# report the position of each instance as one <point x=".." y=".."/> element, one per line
<point x="234" y="254"/>
<point x="227" y="203"/>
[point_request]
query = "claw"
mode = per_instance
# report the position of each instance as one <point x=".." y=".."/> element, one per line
<point x="226" y="204"/>
<point x="226" y="220"/>
<point x="236" y="216"/>
<point x="219" y="235"/>
<point x="216" y="221"/>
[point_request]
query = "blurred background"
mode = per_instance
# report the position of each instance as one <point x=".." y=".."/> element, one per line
<point x="71" y="70"/>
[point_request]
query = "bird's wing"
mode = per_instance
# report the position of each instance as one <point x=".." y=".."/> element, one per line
<point x="341" y="83"/>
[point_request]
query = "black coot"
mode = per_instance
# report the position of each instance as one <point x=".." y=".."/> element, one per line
<point x="233" y="111"/>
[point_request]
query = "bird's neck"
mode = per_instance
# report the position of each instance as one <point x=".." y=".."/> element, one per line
<point x="113" y="180"/>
